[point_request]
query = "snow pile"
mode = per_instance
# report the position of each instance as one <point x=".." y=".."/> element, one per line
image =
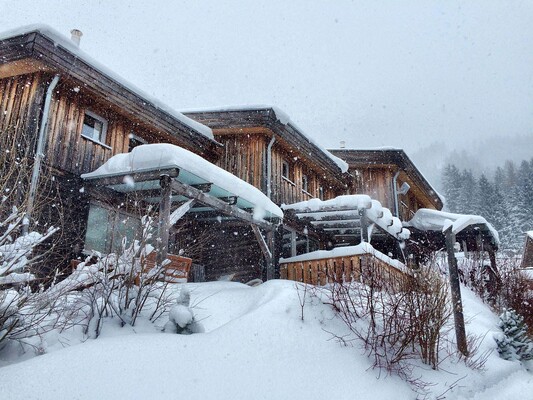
<point x="61" y="40"/>
<point x="360" y="249"/>
<point x="426" y="219"/>
<point x="149" y="157"/>
<point x="256" y="346"/>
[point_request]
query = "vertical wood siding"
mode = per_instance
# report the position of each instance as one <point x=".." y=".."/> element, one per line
<point x="245" y="155"/>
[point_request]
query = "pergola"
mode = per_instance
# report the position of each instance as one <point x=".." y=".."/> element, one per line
<point x="182" y="182"/>
<point x="350" y="219"/>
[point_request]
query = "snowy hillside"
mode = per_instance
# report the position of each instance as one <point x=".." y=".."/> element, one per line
<point x="255" y="347"/>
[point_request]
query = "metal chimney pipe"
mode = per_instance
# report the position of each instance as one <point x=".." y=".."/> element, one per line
<point x="75" y="36"/>
<point x="343" y="144"/>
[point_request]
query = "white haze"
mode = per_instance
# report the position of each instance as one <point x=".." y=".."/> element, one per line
<point x="372" y="73"/>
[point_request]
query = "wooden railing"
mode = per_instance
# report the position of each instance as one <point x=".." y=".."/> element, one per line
<point x="354" y="268"/>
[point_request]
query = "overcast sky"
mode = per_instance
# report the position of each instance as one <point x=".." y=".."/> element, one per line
<point x="372" y="73"/>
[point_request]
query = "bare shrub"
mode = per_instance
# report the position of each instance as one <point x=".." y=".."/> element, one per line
<point x="119" y="285"/>
<point x="395" y="326"/>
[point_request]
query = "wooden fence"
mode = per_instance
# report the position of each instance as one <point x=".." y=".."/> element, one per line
<point x="354" y="268"/>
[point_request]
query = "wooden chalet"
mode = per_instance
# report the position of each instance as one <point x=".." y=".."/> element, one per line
<point x="71" y="116"/>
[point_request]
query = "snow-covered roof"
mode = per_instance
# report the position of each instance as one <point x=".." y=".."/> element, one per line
<point x="377" y="214"/>
<point x="433" y="220"/>
<point x="62" y="41"/>
<point x="530" y="234"/>
<point x="282" y="117"/>
<point x="362" y="248"/>
<point x="193" y="170"/>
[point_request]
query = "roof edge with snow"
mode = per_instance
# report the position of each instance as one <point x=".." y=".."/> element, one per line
<point x="48" y="46"/>
<point x="277" y="120"/>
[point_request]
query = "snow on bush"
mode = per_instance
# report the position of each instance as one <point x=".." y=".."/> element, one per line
<point x="181" y="318"/>
<point x="513" y="343"/>
<point x="22" y="313"/>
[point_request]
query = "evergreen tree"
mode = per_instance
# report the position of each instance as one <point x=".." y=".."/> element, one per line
<point x="467" y="203"/>
<point x="514" y="344"/>
<point x="451" y="181"/>
<point x="485" y="199"/>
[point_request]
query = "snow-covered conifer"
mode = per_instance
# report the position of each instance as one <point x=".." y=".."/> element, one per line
<point x="514" y="344"/>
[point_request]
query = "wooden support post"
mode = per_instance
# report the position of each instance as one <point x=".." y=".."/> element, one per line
<point x="457" y="304"/>
<point x="364" y="226"/>
<point x="266" y="248"/>
<point x="164" y="219"/>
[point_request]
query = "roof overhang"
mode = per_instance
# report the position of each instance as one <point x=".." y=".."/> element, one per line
<point x="189" y="177"/>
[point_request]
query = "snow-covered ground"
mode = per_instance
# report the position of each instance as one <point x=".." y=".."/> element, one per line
<point x="256" y="346"/>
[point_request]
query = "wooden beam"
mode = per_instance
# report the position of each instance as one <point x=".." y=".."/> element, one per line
<point x="204" y="187"/>
<point x="137" y="177"/>
<point x="457" y="304"/>
<point x="224" y="208"/>
<point x="338" y="223"/>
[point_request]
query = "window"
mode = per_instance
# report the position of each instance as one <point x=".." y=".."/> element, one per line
<point x="321" y="193"/>
<point x="94" y="127"/>
<point x="135" y="141"/>
<point x="285" y="169"/>
<point x="107" y="228"/>
<point x="305" y="183"/>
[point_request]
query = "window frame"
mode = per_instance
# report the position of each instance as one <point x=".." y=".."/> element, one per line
<point x="305" y="184"/>
<point x="103" y="135"/>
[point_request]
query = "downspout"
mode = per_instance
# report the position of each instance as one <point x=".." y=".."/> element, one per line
<point x="269" y="168"/>
<point x="395" y="193"/>
<point x="39" y="155"/>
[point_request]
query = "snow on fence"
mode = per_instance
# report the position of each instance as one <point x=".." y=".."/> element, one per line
<point x="344" y="268"/>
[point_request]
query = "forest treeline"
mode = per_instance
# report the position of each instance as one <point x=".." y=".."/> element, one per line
<point x="504" y="199"/>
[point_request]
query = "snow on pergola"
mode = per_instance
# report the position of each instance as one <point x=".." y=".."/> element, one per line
<point x="350" y="216"/>
<point x="165" y="174"/>
<point x="464" y="226"/>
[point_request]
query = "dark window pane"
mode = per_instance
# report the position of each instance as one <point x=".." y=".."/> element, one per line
<point x="97" y="223"/>
<point x="92" y="128"/>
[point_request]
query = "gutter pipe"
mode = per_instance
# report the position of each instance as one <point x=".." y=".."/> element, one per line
<point x="39" y="155"/>
<point x="269" y="168"/>
<point x="395" y="193"/>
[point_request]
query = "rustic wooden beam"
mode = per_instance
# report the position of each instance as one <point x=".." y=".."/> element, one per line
<point x="136" y="176"/>
<point x="224" y="208"/>
<point x="457" y="305"/>
<point x="338" y="223"/>
<point x="164" y="219"/>
<point x="204" y="187"/>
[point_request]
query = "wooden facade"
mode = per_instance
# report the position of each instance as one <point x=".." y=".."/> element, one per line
<point x="299" y="170"/>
